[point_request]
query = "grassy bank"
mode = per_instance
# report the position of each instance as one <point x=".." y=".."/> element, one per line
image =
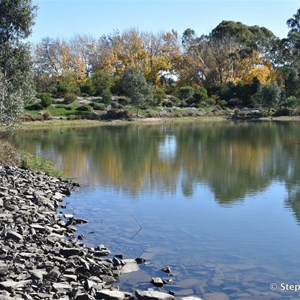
<point x="11" y="156"/>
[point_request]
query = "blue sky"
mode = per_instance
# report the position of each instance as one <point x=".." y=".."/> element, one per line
<point x="65" y="18"/>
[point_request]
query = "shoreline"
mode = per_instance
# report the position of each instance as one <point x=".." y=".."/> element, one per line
<point x="57" y="123"/>
<point x="40" y="258"/>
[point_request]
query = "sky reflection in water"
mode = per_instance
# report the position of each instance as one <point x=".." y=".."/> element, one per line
<point x="219" y="203"/>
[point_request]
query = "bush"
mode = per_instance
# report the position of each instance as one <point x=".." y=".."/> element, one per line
<point x="70" y="98"/>
<point x="185" y="92"/>
<point x="35" y="106"/>
<point x="123" y="100"/>
<point x="67" y="85"/>
<point x="84" y="108"/>
<point x="101" y="81"/>
<point x="135" y="86"/>
<point x="268" y="96"/>
<point x="97" y="106"/>
<point x="46" y="99"/>
<point x="166" y="103"/>
<point x="106" y="96"/>
<point x="45" y="115"/>
<point x="115" y="114"/>
<point x="200" y="94"/>
<point x="159" y="95"/>
<point x="87" y="88"/>
<point x="115" y="104"/>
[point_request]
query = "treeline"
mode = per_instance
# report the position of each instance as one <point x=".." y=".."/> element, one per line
<point x="234" y="65"/>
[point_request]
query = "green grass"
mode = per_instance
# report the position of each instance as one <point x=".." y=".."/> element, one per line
<point x="11" y="156"/>
<point x="37" y="164"/>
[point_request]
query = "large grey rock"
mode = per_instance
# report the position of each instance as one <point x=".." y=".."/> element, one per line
<point x="152" y="295"/>
<point x="110" y="295"/>
<point x="130" y="265"/>
<point x="62" y="287"/>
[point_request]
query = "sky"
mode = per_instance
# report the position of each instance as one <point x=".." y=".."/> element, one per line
<point x="66" y="18"/>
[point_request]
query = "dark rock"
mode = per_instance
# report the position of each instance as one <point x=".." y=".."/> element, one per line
<point x="140" y="260"/>
<point x="14" y="236"/>
<point x="166" y="269"/>
<point x="70" y="251"/>
<point x="157" y="281"/>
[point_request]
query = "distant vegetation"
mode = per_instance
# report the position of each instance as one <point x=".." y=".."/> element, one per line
<point x="139" y="73"/>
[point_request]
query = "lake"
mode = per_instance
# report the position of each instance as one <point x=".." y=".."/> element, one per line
<point x="217" y="202"/>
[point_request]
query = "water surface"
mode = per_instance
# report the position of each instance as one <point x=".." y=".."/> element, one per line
<point x="217" y="202"/>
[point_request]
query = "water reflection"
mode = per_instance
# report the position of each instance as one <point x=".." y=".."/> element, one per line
<point x="233" y="159"/>
<point x="214" y="199"/>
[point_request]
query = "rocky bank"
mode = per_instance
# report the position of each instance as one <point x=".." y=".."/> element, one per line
<point x="40" y="258"/>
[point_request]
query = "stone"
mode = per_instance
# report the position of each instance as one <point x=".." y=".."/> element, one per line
<point x="153" y="295"/>
<point x="84" y="296"/>
<point x="14" y="236"/>
<point x="110" y="295"/>
<point x="166" y="269"/>
<point x="10" y="285"/>
<point x="38" y="274"/>
<point x="70" y="251"/>
<point x="157" y="281"/>
<point x="130" y="265"/>
<point x="62" y="287"/>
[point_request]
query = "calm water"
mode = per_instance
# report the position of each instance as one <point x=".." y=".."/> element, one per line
<point x="217" y="202"/>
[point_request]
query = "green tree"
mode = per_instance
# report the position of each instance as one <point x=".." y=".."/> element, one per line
<point x="200" y="94"/>
<point x="268" y="96"/>
<point x="289" y="57"/>
<point x="135" y="86"/>
<point x="101" y="82"/>
<point x="16" y="76"/>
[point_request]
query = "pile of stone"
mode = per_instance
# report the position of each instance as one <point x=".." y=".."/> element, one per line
<point x="40" y="258"/>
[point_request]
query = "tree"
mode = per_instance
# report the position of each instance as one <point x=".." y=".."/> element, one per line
<point x="135" y="86"/>
<point x="16" y="76"/>
<point x="268" y="95"/>
<point x="289" y="57"/>
<point x="101" y="82"/>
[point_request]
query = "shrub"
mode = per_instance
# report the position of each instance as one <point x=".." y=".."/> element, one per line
<point x="185" y="92"/>
<point x="159" y="95"/>
<point x="106" y="96"/>
<point x="268" y="96"/>
<point x="69" y="98"/>
<point x="166" y="103"/>
<point x="46" y="99"/>
<point x="135" y="86"/>
<point x="87" y="88"/>
<point x="115" y="104"/>
<point x="115" y="114"/>
<point x="101" y="81"/>
<point x="84" y="108"/>
<point x="45" y="115"/>
<point x="67" y="85"/>
<point x="97" y="106"/>
<point x="200" y="94"/>
<point x="123" y="100"/>
<point x="35" y="106"/>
